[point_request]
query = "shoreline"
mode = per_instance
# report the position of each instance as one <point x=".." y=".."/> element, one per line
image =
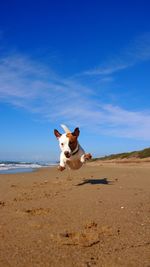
<point x="23" y="170"/>
<point x="96" y="216"/>
<point x="17" y="170"/>
<point x="97" y="162"/>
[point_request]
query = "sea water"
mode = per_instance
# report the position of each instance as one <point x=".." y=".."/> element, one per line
<point x="18" y="167"/>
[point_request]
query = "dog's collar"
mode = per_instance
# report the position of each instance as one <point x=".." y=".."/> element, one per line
<point x="75" y="151"/>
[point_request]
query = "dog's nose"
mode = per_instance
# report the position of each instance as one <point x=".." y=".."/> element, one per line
<point x="67" y="154"/>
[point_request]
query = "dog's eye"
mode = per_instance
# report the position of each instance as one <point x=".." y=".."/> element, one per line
<point x="62" y="144"/>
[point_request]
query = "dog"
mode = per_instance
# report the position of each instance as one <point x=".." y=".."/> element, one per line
<point x="72" y="154"/>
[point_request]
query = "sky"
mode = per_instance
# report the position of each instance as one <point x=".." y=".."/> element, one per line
<point x="84" y="64"/>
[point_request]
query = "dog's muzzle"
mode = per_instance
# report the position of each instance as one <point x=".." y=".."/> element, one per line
<point x="67" y="154"/>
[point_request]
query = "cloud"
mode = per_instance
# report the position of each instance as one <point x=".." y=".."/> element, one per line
<point x="109" y="120"/>
<point x="106" y="70"/>
<point x="137" y="51"/>
<point x="25" y="83"/>
<point x="126" y="123"/>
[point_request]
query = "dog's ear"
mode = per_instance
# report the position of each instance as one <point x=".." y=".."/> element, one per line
<point x="57" y="134"/>
<point x="76" y="132"/>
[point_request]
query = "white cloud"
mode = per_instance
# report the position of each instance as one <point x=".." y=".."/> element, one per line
<point x="106" y="70"/>
<point x="126" y="123"/>
<point x="109" y="120"/>
<point x="137" y="51"/>
<point x="27" y="84"/>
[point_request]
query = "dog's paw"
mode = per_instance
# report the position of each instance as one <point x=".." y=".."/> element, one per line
<point x="60" y="168"/>
<point x="87" y="156"/>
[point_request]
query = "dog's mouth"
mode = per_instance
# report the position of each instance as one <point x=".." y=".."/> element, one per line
<point x="67" y="154"/>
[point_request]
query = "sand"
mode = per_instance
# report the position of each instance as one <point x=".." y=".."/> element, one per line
<point x="96" y="216"/>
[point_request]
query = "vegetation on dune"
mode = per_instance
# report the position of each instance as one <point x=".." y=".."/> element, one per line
<point x="145" y="153"/>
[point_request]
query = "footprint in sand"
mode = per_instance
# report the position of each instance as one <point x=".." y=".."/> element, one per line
<point x="90" y="235"/>
<point x="37" y="211"/>
<point x="2" y="204"/>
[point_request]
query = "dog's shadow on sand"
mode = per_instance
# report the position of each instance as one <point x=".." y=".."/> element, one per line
<point x="97" y="181"/>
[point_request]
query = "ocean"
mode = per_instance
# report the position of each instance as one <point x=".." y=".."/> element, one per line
<point x="18" y="167"/>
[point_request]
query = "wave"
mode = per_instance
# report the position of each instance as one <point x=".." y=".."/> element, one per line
<point x="22" y="165"/>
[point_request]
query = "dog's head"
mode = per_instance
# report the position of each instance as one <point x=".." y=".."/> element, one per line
<point x="68" y="141"/>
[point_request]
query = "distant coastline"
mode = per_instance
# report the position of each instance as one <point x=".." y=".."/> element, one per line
<point x="141" y="155"/>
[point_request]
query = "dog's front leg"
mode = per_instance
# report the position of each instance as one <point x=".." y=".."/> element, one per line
<point x="62" y="164"/>
<point x="85" y="157"/>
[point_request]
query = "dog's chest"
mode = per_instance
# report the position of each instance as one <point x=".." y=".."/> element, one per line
<point x="74" y="164"/>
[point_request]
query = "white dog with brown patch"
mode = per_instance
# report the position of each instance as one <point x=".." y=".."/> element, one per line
<point x="72" y="154"/>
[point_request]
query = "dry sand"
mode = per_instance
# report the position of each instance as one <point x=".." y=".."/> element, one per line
<point x="96" y="216"/>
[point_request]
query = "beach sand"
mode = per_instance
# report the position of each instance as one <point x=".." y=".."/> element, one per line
<point x="96" y="216"/>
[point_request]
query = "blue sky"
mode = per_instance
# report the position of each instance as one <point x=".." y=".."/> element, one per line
<point x="80" y="63"/>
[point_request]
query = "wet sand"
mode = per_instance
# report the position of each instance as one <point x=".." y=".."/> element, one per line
<point x="96" y="216"/>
